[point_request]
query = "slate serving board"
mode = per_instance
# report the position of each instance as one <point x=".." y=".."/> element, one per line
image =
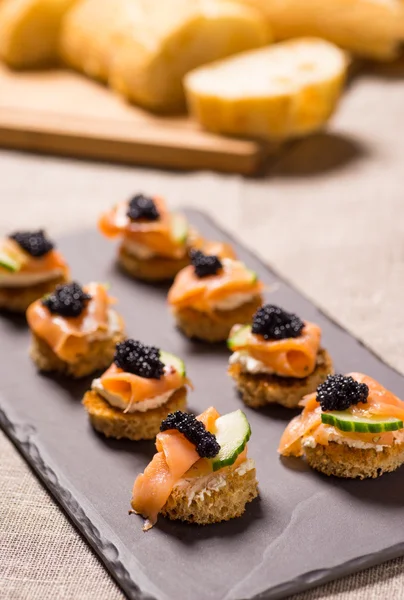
<point x="304" y="530"/>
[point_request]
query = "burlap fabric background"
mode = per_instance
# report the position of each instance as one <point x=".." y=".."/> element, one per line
<point x="329" y="216"/>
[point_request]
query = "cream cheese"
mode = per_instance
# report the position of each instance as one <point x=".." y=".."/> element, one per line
<point x="310" y="442"/>
<point x="22" y="280"/>
<point x="233" y="301"/>
<point x="138" y="250"/>
<point x="118" y="402"/>
<point x="199" y="488"/>
<point x="248" y="363"/>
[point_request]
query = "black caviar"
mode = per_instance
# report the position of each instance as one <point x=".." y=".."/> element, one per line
<point x="137" y="358"/>
<point x="68" y="300"/>
<point x="33" y="242"/>
<point x="142" y="207"/>
<point x="195" y="431"/>
<point x="205" y="264"/>
<point x="273" y="323"/>
<point x="339" y="392"/>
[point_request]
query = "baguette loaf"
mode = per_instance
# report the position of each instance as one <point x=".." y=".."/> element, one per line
<point x="369" y="28"/>
<point x="29" y="31"/>
<point x="145" y="47"/>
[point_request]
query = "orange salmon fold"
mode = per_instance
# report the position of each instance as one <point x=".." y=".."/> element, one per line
<point x="188" y="290"/>
<point x="132" y="388"/>
<point x="174" y="458"/>
<point x="154" y="235"/>
<point x="51" y="261"/>
<point x="291" y="357"/>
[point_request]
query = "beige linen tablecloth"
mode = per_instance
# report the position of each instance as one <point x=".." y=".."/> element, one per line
<point x="329" y="216"/>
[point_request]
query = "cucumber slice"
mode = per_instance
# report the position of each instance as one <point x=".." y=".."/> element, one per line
<point x="170" y="359"/>
<point x="179" y="228"/>
<point x="8" y="263"/>
<point x="254" y="276"/>
<point x="348" y="422"/>
<point x="239" y="338"/>
<point x="232" y="433"/>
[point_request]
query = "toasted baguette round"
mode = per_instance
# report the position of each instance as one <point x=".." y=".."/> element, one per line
<point x="160" y="268"/>
<point x="157" y="268"/>
<point x="258" y="390"/>
<point x="99" y="356"/>
<point x="342" y="460"/>
<point x="87" y="35"/>
<point x="369" y="28"/>
<point x="29" y="31"/>
<point x="18" y="299"/>
<point x="214" y="326"/>
<point x="114" y="423"/>
<point x="223" y="504"/>
<point x="283" y="91"/>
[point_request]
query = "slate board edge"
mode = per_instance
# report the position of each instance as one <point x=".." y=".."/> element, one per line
<point x="102" y="546"/>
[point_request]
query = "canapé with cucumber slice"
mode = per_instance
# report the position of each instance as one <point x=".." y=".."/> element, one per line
<point x="201" y="472"/>
<point x="30" y="267"/>
<point x="350" y="427"/>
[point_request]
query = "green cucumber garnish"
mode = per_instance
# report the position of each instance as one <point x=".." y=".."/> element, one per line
<point x="179" y="228"/>
<point x="239" y="338"/>
<point x="10" y="264"/>
<point x="232" y="433"/>
<point x="172" y="360"/>
<point x="345" y="421"/>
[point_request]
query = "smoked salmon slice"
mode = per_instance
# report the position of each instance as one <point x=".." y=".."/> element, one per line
<point x="290" y="357"/>
<point x="51" y="261"/>
<point x="132" y="388"/>
<point x="202" y="293"/>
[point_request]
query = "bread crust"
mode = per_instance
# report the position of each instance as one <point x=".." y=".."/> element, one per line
<point x="216" y="325"/>
<point x="114" y="423"/>
<point x="100" y="356"/>
<point x="259" y="390"/>
<point x="345" y="461"/>
<point x="157" y="268"/>
<point x="223" y="504"/>
<point x="17" y="300"/>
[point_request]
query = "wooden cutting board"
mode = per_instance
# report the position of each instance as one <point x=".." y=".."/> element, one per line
<point x="63" y="113"/>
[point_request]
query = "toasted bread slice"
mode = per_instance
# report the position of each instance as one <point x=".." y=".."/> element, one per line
<point x="222" y="502"/>
<point x="144" y="48"/>
<point x="99" y="356"/>
<point x="342" y="460"/>
<point x="29" y="31"/>
<point x="259" y="390"/>
<point x="369" y="28"/>
<point x="18" y="299"/>
<point x="216" y="325"/>
<point x="283" y="91"/>
<point x="114" y="423"/>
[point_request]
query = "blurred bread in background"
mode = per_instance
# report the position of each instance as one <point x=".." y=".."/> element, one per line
<point x="286" y="90"/>
<point x="29" y="31"/>
<point x="143" y="48"/>
<point x="369" y="28"/>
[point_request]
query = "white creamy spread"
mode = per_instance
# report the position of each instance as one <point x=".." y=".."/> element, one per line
<point x="310" y="442"/>
<point x="114" y="326"/>
<point x="248" y="363"/>
<point x="21" y="280"/>
<point x="118" y="402"/>
<point x="199" y="487"/>
<point x="138" y="250"/>
<point x="233" y="301"/>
